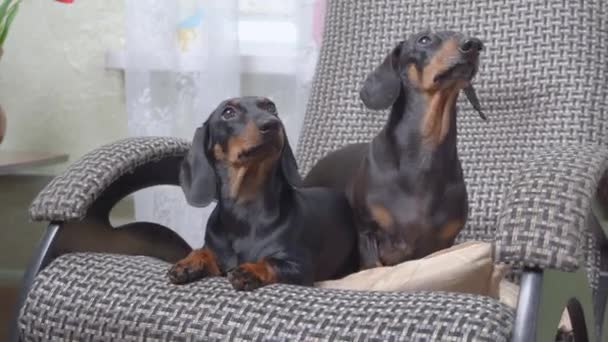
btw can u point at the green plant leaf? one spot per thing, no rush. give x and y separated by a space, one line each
4 8
10 16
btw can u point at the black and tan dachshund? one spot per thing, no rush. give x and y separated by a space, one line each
264 228
406 187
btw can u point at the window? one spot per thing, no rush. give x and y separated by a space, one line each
267 34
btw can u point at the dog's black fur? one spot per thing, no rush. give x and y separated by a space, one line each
264 228
406 187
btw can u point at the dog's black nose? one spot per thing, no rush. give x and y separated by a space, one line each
269 126
470 45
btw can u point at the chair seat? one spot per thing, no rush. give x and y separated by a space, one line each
90 296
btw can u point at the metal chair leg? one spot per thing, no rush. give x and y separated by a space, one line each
528 305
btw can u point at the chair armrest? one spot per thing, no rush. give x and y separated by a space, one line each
543 221
103 176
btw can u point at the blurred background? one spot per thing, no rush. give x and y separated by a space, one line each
76 74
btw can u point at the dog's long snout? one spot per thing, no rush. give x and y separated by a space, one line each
269 125
470 46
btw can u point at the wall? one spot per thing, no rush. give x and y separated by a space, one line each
53 83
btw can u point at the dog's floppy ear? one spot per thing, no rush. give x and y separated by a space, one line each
471 95
382 86
197 176
289 165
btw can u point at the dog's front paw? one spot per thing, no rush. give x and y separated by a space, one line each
250 276
197 265
182 273
243 280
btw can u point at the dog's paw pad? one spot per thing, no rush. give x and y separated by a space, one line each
244 280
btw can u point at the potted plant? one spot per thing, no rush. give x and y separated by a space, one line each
8 10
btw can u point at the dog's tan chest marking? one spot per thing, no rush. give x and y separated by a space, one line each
250 179
440 98
235 146
437 117
382 216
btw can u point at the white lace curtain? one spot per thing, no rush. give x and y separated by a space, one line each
182 59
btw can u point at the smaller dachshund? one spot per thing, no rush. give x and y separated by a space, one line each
264 229
406 188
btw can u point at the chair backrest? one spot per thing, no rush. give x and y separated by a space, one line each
543 81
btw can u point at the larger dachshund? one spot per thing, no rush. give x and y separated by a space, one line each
264 229
406 187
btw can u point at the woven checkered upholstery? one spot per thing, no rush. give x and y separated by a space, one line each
95 297
546 202
530 171
543 84
69 195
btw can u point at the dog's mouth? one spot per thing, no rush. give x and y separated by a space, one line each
460 75
265 147
459 71
251 151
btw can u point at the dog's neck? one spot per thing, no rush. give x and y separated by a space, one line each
422 128
255 188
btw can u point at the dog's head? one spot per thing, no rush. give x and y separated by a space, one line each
240 143
428 62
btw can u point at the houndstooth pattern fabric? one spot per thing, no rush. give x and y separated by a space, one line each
69 195
547 200
97 297
543 82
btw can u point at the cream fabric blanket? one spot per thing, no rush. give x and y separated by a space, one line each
468 268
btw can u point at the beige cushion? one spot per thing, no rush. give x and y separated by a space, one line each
468 268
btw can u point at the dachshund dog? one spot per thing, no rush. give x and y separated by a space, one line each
264 229
406 187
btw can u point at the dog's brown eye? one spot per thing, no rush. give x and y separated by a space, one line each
424 40
229 113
